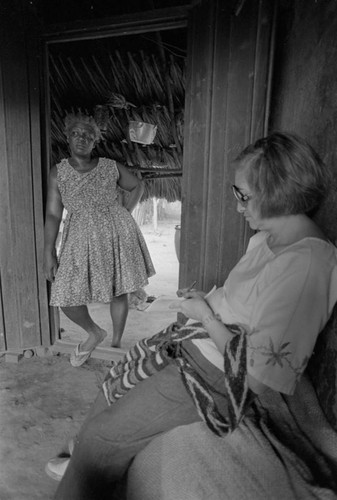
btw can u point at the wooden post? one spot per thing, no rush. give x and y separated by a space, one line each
155 213
226 99
23 287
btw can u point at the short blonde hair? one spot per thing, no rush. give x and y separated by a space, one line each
73 119
285 174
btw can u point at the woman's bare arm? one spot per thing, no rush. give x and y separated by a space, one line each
195 307
132 184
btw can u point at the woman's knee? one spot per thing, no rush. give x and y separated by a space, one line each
120 299
99 431
89 434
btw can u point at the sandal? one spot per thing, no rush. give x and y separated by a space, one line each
77 357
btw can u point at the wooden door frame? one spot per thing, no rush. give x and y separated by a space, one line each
131 24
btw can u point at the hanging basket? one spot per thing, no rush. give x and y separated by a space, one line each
141 132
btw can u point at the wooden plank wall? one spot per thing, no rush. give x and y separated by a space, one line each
23 290
226 104
305 85
3 209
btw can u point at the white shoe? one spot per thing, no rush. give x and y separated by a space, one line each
71 446
56 468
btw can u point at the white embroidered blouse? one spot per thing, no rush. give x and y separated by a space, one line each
283 300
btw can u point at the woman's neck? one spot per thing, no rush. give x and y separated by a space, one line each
289 229
82 163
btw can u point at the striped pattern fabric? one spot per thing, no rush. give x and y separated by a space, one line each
152 354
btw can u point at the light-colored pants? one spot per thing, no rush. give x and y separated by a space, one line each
112 435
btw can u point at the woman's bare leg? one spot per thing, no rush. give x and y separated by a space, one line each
80 315
119 309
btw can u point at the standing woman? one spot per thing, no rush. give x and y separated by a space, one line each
103 255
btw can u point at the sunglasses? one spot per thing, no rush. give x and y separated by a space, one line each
241 198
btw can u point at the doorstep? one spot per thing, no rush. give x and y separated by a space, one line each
106 353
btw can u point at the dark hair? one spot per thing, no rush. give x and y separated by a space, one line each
285 173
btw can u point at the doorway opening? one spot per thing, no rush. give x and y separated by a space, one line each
122 80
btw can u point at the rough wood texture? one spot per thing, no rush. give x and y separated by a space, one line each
136 22
2 323
23 290
304 91
226 100
304 101
4 202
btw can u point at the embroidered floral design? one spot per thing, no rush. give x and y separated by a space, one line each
276 356
280 356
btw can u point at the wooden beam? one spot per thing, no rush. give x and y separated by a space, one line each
34 86
4 212
140 22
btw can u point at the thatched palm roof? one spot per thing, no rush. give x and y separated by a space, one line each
119 85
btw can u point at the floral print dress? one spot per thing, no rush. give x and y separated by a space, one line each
103 252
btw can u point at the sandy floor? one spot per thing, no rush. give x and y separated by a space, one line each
43 400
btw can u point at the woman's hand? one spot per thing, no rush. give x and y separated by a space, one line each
185 292
49 266
194 306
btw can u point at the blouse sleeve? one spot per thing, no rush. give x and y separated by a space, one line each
291 309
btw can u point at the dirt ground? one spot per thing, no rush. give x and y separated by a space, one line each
43 400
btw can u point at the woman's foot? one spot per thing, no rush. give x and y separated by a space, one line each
116 340
83 350
116 343
119 308
96 336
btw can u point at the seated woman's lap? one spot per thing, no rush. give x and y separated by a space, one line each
110 438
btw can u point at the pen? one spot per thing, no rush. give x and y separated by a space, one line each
191 286
181 292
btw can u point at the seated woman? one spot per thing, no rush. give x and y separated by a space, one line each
256 332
